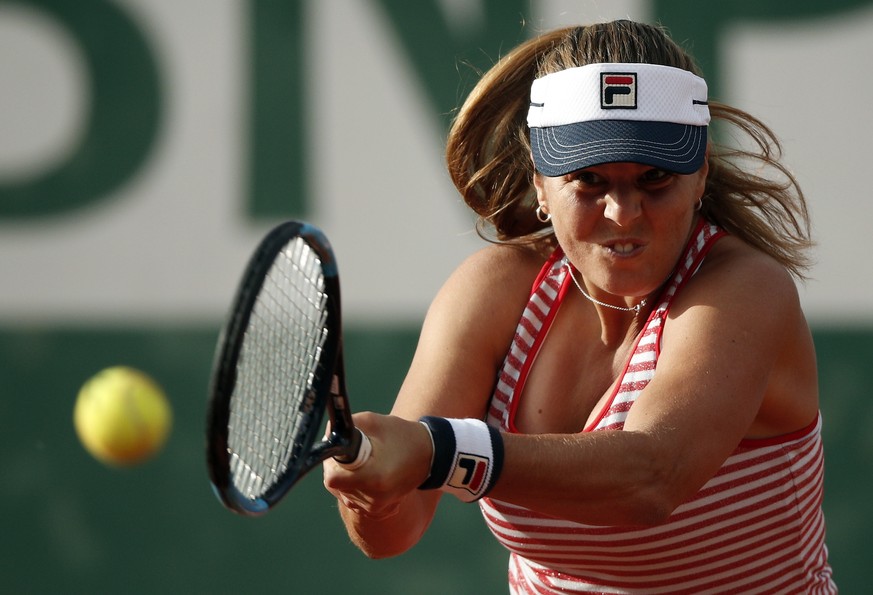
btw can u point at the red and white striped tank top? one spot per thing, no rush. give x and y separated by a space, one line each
755 527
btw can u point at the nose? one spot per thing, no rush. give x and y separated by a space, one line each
622 206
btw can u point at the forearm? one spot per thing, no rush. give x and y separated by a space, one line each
383 511
598 478
392 532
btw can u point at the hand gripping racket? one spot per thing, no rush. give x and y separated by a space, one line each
278 368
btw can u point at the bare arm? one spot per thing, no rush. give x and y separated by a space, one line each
728 348
464 338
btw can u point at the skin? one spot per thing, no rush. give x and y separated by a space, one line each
737 361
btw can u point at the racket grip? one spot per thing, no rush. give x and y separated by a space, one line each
364 450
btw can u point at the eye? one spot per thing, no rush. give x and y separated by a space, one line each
655 176
586 177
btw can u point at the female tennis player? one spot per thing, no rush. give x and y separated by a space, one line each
623 379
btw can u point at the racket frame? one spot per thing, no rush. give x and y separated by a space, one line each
328 392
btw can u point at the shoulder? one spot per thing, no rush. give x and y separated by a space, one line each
496 272
487 293
467 332
738 327
739 293
506 255
736 270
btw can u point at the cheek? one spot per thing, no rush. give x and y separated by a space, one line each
574 222
677 234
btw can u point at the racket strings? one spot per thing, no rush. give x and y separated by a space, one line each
277 366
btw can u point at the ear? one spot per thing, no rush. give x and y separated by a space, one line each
538 186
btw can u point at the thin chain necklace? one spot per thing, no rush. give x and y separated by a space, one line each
635 309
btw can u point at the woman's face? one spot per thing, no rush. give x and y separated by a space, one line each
622 225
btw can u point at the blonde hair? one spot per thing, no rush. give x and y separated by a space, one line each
748 191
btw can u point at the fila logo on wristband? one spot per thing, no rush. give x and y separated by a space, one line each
469 472
618 90
467 457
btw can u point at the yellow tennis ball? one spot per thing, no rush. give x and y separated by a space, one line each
122 416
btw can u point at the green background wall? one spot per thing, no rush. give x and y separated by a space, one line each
71 525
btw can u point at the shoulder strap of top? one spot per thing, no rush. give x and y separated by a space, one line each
640 366
702 239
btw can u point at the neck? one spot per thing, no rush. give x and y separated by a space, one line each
636 308
617 323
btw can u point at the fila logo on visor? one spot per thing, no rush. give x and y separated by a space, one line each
618 90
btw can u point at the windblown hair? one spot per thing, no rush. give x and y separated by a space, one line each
749 192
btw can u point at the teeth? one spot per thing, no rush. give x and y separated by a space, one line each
623 248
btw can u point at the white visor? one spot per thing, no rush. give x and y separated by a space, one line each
611 112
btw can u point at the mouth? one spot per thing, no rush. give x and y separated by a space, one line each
624 248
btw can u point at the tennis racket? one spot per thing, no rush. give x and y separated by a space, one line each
278 368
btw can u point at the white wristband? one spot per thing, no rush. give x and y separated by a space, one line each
468 457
